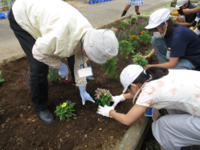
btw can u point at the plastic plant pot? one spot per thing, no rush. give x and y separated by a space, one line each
94 2
90 2
99 1
2 15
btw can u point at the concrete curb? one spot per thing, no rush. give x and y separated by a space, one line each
135 135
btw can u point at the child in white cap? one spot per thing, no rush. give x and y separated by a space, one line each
176 46
178 91
52 29
182 19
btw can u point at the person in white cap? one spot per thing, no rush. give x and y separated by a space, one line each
52 29
157 88
182 19
176 46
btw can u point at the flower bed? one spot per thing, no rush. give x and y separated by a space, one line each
22 129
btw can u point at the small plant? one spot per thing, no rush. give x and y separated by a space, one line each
110 66
145 37
138 59
1 79
103 97
133 42
141 26
124 23
27 76
133 29
0 109
5 7
53 74
125 48
133 19
65 110
114 29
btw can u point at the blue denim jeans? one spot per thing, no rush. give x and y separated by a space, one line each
161 48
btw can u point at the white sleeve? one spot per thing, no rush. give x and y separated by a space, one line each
52 61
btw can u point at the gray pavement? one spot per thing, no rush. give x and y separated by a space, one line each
97 14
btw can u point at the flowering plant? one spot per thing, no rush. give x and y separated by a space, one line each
124 23
65 110
125 48
1 79
133 19
53 74
103 97
141 25
110 66
138 59
27 75
145 37
114 29
133 41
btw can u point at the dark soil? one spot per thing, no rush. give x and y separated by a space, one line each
21 129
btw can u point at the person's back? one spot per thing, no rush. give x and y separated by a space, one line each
180 89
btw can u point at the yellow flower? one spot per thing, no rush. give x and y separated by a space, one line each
132 38
109 58
64 105
126 41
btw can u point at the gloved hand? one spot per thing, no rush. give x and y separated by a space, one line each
117 99
85 96
104 111
63 71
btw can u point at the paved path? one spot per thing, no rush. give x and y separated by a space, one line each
97 14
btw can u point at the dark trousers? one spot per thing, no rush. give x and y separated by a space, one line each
39 70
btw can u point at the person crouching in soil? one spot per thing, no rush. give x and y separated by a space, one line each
178 91
175 45
48 30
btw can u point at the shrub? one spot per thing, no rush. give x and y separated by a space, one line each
125 48
145 37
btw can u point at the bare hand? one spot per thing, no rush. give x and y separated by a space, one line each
145 67
147 57
186 11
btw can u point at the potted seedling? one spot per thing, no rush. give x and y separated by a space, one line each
103 97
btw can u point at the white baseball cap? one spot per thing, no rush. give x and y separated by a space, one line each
181 3
129 74
100 45
158 17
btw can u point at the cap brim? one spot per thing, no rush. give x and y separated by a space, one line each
150 26
125 89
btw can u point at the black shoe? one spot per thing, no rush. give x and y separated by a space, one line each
138 13
46 116
90 79
124 13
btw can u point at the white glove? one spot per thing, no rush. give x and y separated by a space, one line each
104 111
117 99
63 71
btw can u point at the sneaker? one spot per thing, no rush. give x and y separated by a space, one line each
197 31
